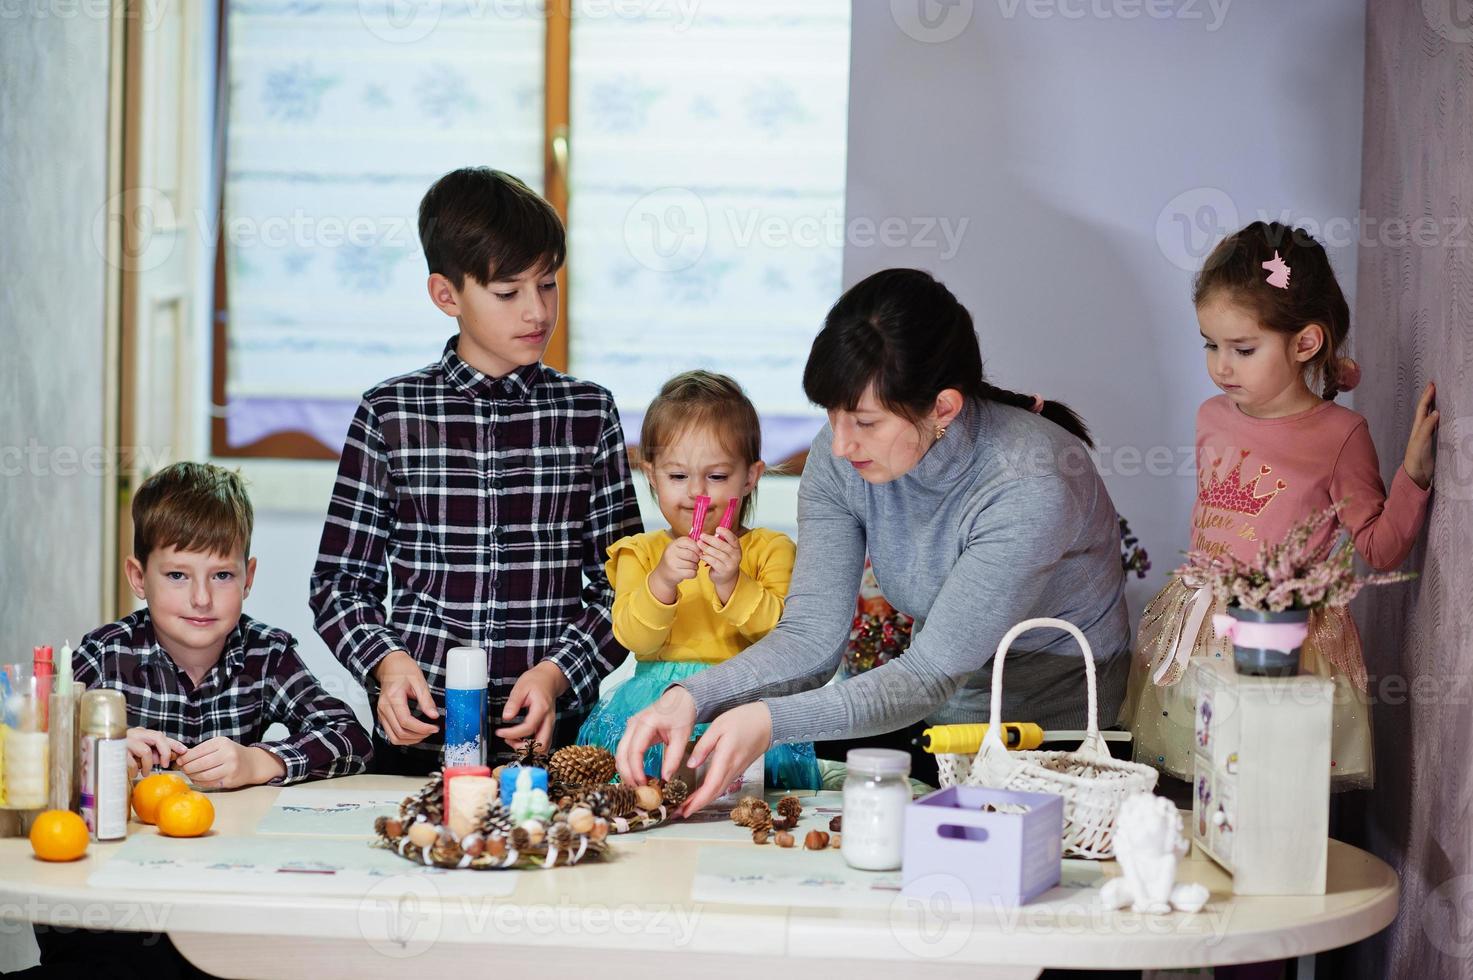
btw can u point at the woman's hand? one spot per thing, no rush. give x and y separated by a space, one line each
722 553
730 745
669 722
679 562
1418 462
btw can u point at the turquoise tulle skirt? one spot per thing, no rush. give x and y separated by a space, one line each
786 766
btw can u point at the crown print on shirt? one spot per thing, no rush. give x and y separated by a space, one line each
1231 494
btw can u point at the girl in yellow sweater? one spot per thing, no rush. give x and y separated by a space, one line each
684 601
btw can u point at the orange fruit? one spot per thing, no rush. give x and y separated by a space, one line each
153 790
59 835
186 814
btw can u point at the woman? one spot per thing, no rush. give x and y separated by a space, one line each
979 507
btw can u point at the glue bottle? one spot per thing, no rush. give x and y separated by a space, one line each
465 706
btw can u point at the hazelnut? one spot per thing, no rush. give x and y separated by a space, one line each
496 847
784 839
424 834
834 842
647 797
759 837
580 820
816 840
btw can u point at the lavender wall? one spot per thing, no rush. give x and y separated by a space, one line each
1095 153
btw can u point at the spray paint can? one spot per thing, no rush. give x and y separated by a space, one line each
104 717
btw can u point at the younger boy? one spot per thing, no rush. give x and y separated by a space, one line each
203 681
486 486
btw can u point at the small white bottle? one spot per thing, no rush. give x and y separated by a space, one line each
876 793
104 718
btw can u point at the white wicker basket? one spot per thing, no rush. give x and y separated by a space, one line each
1092 783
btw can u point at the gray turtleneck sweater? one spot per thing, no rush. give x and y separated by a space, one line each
1005 518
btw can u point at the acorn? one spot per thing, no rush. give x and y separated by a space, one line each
496 847
474 845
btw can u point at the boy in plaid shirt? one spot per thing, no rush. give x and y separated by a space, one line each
203 684
203 681
485 488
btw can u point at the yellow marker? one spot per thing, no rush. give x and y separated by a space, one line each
967 739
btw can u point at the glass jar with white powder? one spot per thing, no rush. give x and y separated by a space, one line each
876 793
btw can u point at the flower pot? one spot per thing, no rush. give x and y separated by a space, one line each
1265 644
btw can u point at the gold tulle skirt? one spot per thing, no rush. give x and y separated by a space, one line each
1160 716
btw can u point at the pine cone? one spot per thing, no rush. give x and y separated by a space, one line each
495 821
611 801
534 754
760 821
789 808
675 792
428 801
446 853
520 839
575 764
561 836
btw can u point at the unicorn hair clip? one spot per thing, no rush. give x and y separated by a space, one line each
1278 272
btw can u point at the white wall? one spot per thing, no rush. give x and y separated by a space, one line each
1074 147
53 181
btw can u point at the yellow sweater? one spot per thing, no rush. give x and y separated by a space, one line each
697 628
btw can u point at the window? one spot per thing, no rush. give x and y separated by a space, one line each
705 204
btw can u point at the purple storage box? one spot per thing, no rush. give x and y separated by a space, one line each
952 848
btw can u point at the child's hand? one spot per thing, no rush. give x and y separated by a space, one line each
535 692
400 679
1419 462
680 562
148 748
220 763
722 553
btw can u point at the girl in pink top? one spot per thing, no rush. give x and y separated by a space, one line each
1270 451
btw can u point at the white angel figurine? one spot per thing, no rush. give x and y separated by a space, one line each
1148 843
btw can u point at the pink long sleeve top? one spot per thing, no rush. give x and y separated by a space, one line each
1258 477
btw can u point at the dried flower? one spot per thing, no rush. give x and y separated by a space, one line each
1292 574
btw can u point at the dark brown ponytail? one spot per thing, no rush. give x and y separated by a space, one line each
906 334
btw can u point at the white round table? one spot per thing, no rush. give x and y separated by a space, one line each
634 916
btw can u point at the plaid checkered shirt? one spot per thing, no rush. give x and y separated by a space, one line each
490 503
259 680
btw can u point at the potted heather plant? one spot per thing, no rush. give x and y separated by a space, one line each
1270 599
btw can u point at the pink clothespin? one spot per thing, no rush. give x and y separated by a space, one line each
698 522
